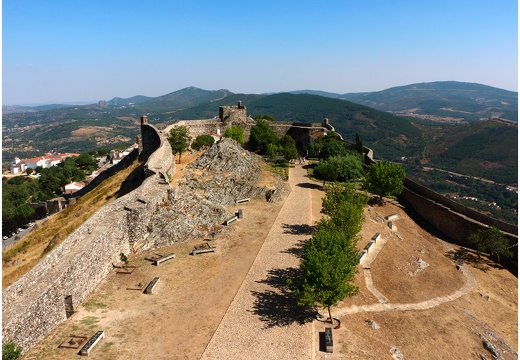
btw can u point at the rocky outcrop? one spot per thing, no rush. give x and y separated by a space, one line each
218 178
226 173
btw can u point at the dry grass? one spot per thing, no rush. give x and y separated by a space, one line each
24 255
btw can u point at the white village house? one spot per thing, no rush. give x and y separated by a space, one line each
46 161
17 166
72 187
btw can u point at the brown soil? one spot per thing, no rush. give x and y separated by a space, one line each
194 293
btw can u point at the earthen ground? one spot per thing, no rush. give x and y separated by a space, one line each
194 295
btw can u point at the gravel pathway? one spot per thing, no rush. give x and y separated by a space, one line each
255 325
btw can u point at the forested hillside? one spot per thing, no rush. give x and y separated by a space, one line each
484 148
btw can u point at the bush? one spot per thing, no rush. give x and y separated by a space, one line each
11 351
202 141
236 133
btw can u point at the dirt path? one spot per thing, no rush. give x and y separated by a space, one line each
423 305
256 325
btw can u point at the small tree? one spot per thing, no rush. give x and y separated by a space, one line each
11 351
384 179
265 117
288 147
349 166
333 147
86 162
236 133
326 172
179 140
260 135
490 240
202 141
359 144
328 268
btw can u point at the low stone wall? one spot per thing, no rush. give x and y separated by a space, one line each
461 209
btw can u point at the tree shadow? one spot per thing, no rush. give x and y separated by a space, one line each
279 306
298 229
464 255
310 186
297 249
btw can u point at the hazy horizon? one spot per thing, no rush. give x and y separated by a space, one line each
70 52
87 102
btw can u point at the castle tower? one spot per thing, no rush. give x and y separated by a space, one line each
144 119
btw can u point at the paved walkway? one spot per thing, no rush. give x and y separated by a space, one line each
256 325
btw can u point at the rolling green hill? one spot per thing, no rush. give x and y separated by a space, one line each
443 100
485 148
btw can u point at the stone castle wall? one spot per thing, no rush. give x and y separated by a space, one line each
35 304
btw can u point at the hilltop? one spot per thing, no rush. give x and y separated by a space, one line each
443 101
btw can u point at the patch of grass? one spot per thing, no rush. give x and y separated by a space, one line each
279 167
90 321
93 305
108 344
344 348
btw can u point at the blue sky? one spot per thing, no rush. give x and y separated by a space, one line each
66 51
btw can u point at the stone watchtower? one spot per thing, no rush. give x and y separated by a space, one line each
231 115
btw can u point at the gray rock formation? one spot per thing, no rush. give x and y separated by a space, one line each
218 178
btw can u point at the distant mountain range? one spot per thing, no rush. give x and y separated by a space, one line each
420 131
447 101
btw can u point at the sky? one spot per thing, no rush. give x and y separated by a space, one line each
88 50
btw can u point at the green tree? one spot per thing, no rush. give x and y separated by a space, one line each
236 133
272 151
260 135
333 147
11 351
86 162
359 144
344 207
202 141
328 266
288 148
349 166
490 240
16 180
265 117
384 179
326 172
179 140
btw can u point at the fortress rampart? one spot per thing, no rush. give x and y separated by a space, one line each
237 115
447 216
45 296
